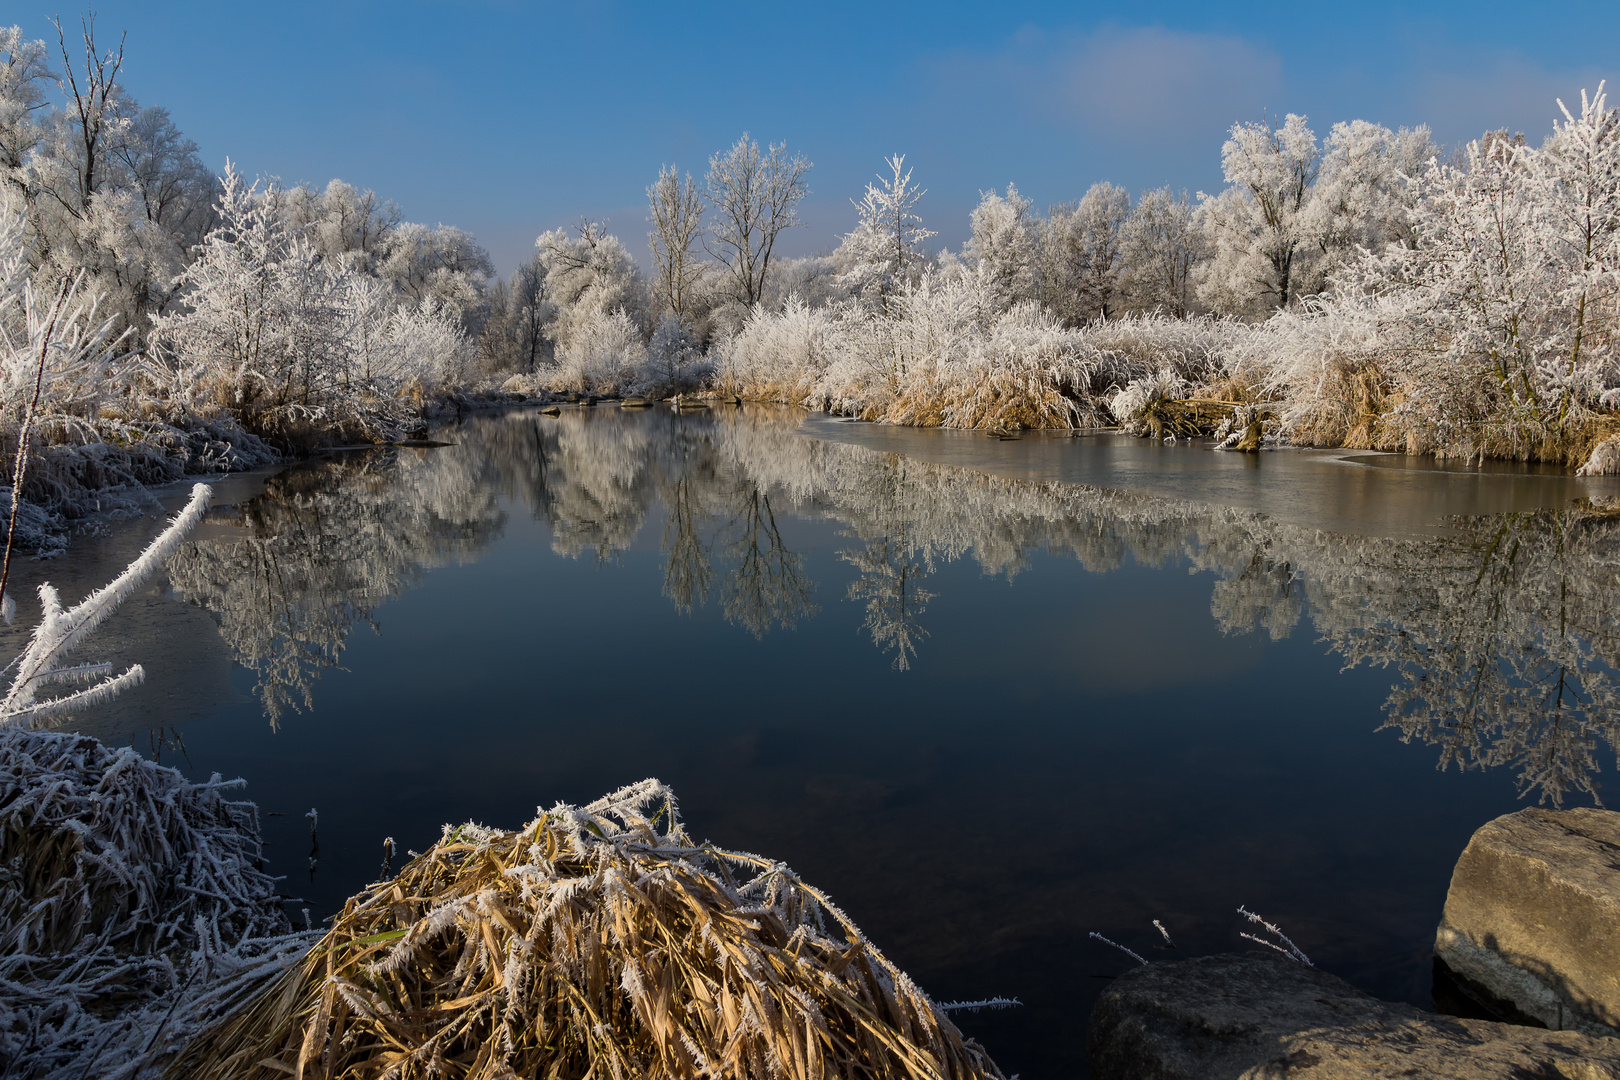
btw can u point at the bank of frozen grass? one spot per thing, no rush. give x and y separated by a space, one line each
944 357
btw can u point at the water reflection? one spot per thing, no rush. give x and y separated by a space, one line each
309 559
1501 633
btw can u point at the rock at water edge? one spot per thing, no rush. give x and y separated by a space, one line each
1533 917
1252 1017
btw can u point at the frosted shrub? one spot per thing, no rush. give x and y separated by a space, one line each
1200 351
674 363
133 904
263 330
1131 405
1021 371
134 911
83 368
426 342
604 355
1326 368
778 356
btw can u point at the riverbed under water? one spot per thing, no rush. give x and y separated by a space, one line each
990 695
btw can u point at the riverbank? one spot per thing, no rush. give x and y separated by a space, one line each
68 483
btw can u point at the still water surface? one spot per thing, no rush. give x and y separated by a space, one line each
990 695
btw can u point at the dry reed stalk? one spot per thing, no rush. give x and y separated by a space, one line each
62 295
596 942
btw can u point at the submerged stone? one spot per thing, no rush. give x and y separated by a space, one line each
1532 919
1230 1016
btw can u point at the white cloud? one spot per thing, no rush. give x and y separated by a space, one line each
1141 85
1466 99
1136 85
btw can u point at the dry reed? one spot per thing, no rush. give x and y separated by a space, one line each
596 942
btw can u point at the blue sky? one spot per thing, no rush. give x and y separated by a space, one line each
507 118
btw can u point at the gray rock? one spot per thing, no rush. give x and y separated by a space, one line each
1259 1018
1533 917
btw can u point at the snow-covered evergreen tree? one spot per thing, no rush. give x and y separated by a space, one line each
884 252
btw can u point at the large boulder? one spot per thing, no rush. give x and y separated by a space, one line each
1259 1018
1532 920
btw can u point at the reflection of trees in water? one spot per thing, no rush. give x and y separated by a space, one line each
1504 636
766 586
889 583
1503 632
688 572
891 567
315 554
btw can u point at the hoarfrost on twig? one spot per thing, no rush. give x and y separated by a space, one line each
1117 945
1287 948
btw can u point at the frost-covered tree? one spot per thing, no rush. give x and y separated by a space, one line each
588 276
440 263
1160 249
347 224
884 252
515 337
676 213
755 196
674 362
604 354
1005 245
1363 196
263 333
1082 252
25 79
1262 241
82 211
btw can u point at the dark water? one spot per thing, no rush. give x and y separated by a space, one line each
990 695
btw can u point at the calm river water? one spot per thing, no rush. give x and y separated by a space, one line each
990 695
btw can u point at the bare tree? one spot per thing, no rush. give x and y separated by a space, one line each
1161 247
95 114
677 219
1083 248
755 197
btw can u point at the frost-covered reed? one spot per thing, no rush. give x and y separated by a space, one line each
134 909
62 630
944 354
595 941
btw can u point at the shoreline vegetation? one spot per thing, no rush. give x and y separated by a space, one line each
1370 289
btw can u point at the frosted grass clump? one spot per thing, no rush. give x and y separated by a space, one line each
595 941
1131 404
133 907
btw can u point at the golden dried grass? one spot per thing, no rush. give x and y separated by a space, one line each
596 942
